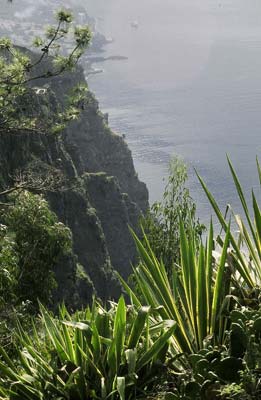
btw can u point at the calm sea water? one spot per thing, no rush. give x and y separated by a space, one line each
191 86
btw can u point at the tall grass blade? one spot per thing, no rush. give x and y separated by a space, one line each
218 284
156 347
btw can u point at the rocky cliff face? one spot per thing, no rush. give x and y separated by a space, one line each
102 197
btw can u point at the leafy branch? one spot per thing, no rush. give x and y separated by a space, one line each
19 69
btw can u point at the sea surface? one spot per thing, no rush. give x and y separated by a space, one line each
191 86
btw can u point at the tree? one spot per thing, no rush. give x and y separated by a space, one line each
162 222
31 238
23 110
34 239
20 68
32 244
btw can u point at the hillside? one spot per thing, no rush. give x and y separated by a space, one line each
100 197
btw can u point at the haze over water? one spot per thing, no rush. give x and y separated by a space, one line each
191 86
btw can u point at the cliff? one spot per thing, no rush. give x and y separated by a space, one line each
100 197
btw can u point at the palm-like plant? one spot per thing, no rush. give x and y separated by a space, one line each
94 354
246 255
199 290
195 294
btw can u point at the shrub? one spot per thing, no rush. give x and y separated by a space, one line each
226 372
161 224
33 244
245 260
196 295
114 354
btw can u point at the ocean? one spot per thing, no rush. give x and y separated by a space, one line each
191 86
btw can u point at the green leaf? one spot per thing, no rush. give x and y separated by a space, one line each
138 327
121 387
156 347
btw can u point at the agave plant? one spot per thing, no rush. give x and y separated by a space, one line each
195 296
97 354
246 255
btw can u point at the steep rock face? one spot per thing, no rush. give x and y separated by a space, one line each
105 194
102 150
98 148
102 198
20 153
74 209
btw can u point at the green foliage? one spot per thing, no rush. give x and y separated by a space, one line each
8 270
245 260
231 370
99 354
234 391
19 69
12 313
31 243
212 368
82 278
226 372
193 331
198 293
30 248
162 221
245 336
195 296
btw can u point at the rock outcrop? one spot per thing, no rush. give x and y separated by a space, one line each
102 196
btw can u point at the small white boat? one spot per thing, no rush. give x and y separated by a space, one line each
109 39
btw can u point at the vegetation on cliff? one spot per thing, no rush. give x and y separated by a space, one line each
193 326
34 240
161 223
18 69
191 334
32 243
71 167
